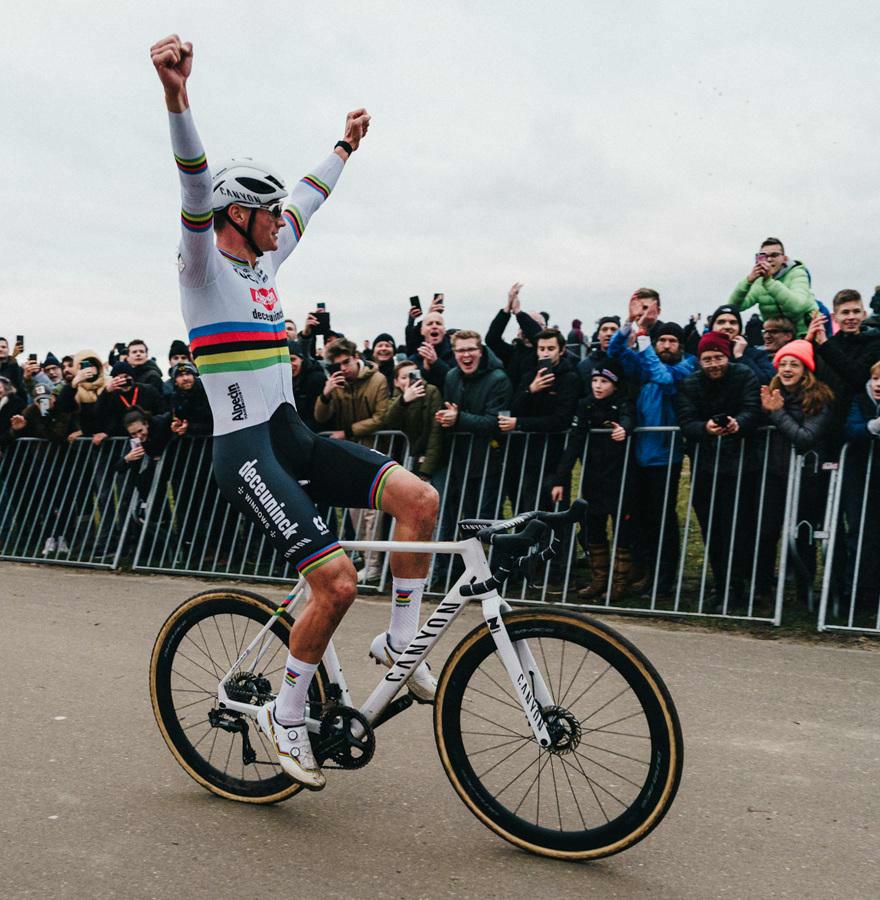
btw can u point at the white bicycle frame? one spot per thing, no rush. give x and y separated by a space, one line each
517 659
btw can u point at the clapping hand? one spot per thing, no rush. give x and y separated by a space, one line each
771 401
816 329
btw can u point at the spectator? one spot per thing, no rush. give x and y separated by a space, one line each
799 407
754 331
52 370
778 285
383 351
40 419
145 369
308 382
290 328
541 411
354 398
354 401
875 301
656 370
644 307
861 497
718 408
606 328
412 410
727 320
11 404
576 335
433 355
191 412
517 357
9 368
850 353
179 353
602 478
413 335
68 369
122 393
777 332
33 375
475 393
80 397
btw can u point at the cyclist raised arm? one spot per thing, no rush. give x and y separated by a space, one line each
262 450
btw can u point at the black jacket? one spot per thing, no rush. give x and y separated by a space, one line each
436 375
113 405
149 373
794 428
193 407
737 395
306 390
517 356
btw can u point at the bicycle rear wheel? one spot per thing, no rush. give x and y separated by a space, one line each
196 646
615 763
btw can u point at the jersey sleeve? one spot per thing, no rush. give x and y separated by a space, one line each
197 256
305 198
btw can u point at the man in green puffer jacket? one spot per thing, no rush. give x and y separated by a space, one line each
778 285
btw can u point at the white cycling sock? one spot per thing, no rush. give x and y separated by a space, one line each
290 704
406 599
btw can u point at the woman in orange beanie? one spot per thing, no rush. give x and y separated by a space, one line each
800 408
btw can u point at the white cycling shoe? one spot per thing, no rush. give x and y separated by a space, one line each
294 751
422 684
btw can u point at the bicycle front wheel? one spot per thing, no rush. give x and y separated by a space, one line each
197 645
614 766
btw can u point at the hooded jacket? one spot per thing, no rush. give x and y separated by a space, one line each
517 357
358 407
479 397
436 375
82 401
788 293
307 387
149 373
794 428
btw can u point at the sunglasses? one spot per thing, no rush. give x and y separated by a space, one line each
275 210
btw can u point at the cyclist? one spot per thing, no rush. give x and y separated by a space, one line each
267 463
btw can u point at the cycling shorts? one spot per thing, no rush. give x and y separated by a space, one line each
274 473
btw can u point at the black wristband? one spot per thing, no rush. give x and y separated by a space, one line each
345 146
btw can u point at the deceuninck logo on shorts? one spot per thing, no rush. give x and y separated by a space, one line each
262 495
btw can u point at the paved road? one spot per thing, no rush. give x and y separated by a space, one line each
779 796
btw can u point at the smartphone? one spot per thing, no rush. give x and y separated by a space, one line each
544 365
135 443
121 349
414 377
760 257
438 298
323 317
333 368
722 420
19 339
321 305
415 302
32 357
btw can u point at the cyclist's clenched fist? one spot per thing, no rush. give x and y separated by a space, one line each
173 61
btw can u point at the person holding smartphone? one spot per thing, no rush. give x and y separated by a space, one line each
80 396
412 410
718 407
9 367
778 286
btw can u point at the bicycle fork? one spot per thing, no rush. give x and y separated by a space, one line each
518 661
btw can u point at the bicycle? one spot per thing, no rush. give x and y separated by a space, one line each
555 731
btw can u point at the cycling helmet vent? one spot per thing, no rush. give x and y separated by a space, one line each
257 186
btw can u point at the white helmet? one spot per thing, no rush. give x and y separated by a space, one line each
246 182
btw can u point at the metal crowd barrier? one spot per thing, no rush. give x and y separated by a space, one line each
850 598
65 503
724 542
190 528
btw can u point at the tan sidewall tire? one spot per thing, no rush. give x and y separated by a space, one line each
249 599
623 646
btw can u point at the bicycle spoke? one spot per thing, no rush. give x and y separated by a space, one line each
503 760
641 762
556 793
580 768
515 706
574 677
546 668
229 660
494 747
206 652
607 769
574 795
470 712
590 687
499 686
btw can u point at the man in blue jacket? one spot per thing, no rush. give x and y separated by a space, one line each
656 369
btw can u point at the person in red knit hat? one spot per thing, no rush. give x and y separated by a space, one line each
800 409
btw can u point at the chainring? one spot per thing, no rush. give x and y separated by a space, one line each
337 742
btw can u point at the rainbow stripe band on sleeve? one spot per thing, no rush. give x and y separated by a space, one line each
318 558
191 166
379 483
293 217
197 222
318 185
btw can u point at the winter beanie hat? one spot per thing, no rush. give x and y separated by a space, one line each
802 350
716 341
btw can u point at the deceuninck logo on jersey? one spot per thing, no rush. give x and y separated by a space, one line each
265 297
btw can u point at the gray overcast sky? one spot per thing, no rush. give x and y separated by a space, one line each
583 150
